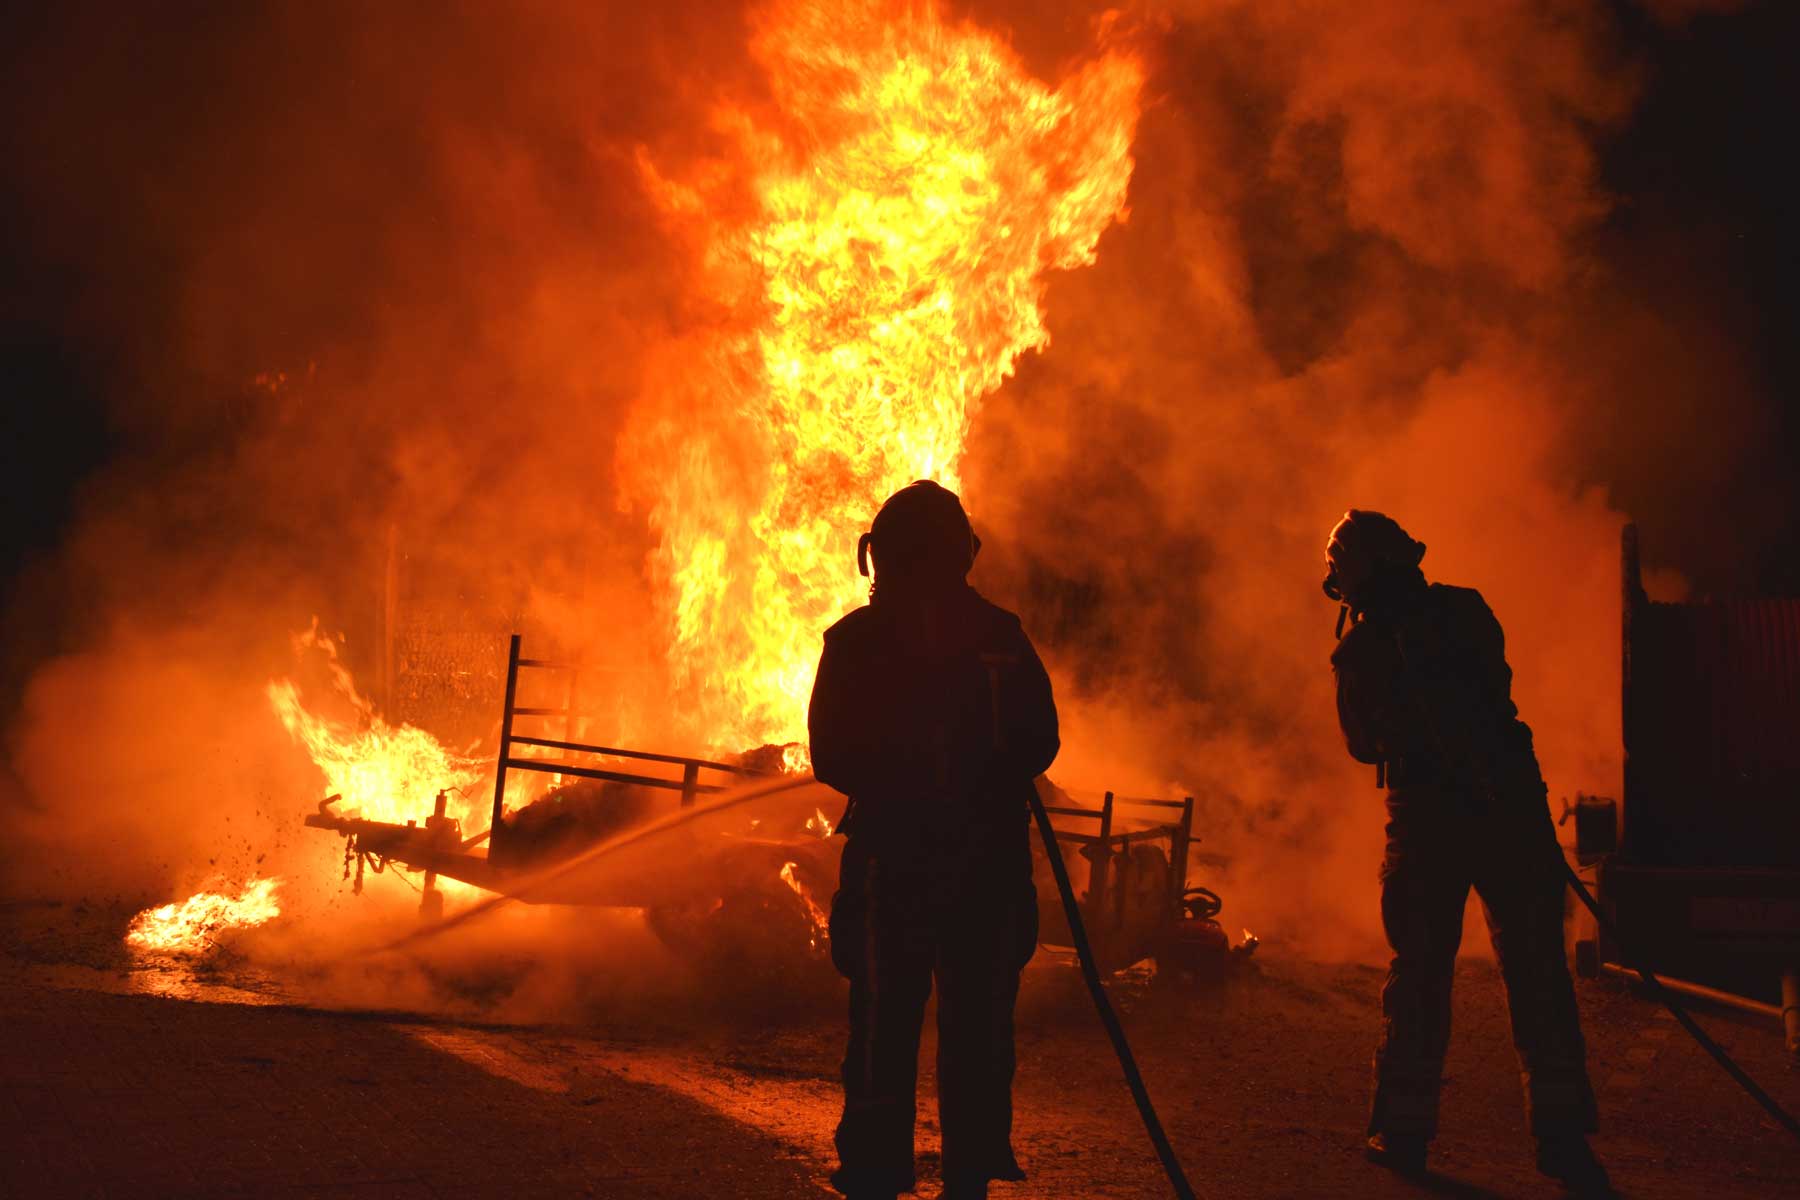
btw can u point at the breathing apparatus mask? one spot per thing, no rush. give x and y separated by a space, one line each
1365 550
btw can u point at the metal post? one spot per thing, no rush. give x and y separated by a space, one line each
569 695
1697 990
1179 848
690 784
1631 594
506 721
431 899
1790 1008
1102 859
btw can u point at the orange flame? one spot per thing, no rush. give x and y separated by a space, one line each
192 926
908 198
821 924
388 772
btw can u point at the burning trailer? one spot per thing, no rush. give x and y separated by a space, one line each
743 871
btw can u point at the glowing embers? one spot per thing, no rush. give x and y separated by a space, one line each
796 759
193 926
871 252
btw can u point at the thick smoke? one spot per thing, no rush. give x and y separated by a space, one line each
1359 271
388 275
363 276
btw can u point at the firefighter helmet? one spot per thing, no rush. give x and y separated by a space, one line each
1362 545
921 529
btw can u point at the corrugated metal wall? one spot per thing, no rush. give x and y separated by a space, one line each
1712 731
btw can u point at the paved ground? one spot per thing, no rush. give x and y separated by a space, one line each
211 1089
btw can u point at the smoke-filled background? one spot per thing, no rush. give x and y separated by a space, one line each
288 285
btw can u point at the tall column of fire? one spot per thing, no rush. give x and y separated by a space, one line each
906 198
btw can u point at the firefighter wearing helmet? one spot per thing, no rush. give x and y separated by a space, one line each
932 712
1425 695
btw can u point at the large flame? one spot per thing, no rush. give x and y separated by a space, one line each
193 926
386 772
908 192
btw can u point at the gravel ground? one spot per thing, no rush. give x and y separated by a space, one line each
129 1079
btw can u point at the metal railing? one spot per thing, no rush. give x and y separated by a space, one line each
1099 848
690 784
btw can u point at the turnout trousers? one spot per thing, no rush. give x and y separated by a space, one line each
1440 843
895 928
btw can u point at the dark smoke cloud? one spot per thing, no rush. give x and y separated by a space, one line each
1679 12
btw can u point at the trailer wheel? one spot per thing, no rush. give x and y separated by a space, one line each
759 939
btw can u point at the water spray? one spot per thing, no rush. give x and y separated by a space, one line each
525 886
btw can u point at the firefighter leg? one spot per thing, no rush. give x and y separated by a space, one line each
1521 888
880 942
984 946
1423 890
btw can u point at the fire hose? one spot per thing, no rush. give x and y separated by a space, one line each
1090 973
1774 1109
1085 953
1108 1018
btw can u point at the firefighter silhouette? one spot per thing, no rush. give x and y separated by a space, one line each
932 712
1425 695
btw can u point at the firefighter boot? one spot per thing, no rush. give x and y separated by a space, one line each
1402 1152
1568 1158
